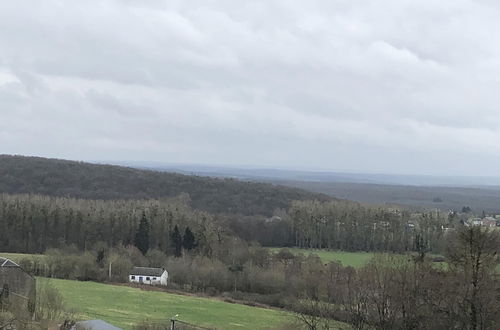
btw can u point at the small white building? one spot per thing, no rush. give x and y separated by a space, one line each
146 275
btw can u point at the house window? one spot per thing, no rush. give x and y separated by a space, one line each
132 277
147 278
154 278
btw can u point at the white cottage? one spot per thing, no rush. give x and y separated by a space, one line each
146 275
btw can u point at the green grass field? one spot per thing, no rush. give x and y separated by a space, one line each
354 259
18 256
125 306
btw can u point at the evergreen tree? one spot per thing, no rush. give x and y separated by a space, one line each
176 241
100 256
142 235
188 241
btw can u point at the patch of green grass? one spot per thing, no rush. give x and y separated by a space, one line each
16 257
126 306
353 259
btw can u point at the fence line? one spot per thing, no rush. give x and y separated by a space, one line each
128 318
191 325
8 292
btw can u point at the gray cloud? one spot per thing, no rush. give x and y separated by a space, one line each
387 86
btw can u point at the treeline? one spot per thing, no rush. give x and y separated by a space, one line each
52 177
351 226
348 226
33 224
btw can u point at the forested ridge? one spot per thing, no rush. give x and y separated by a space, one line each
54 177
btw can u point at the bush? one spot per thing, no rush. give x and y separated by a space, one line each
280 300
50 304
438 259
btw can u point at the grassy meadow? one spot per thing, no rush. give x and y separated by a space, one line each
353 259
16 257
125 307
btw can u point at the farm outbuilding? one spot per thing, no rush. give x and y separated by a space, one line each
147 275
17 287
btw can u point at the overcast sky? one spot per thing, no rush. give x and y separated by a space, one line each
388 86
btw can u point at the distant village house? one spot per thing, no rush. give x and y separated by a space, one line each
484 222
147 275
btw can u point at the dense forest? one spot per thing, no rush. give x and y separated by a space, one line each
478 198
343 225
31 223
53 177
34 223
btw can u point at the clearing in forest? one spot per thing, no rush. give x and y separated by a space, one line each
353 259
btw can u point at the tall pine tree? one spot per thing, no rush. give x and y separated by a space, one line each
188 241
176 241
142 235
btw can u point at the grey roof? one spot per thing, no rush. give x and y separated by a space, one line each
95 325
4 262
146 271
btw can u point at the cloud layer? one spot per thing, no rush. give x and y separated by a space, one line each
393 86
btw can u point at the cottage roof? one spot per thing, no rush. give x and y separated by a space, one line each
95 325
4 262
147 271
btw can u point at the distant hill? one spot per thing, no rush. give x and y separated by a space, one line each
414 191
418 191
54 177
272 174
479 198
